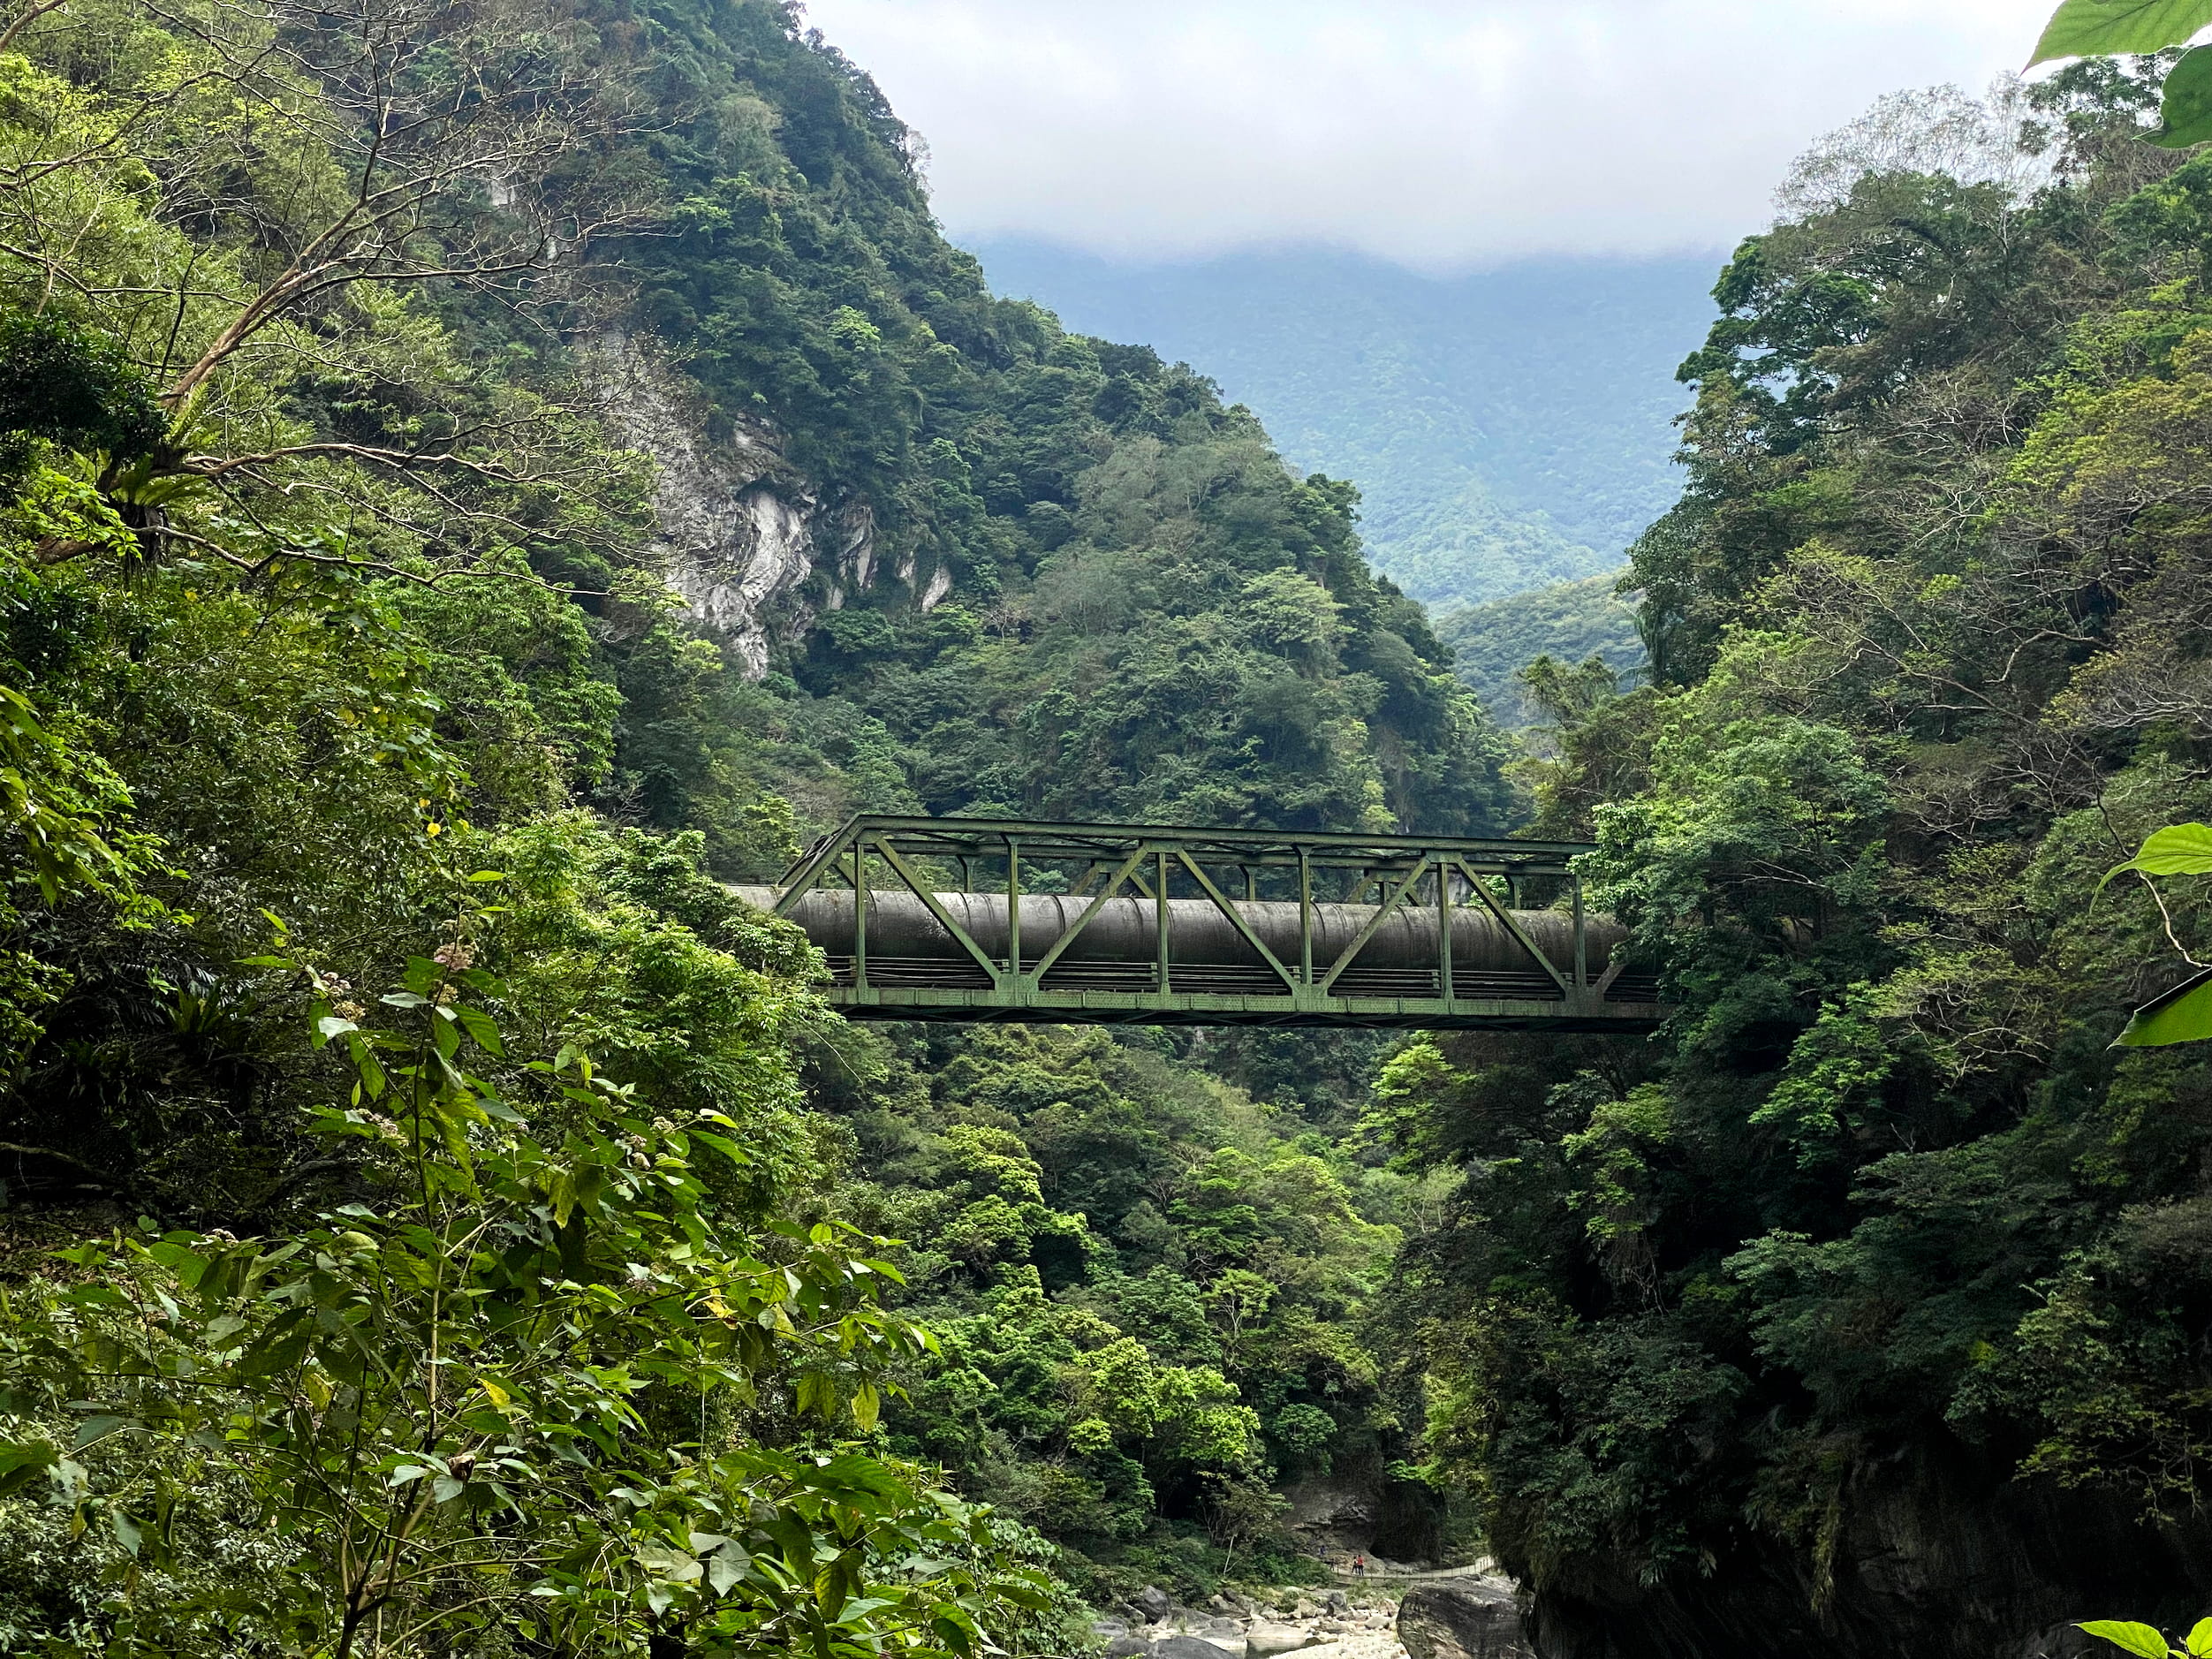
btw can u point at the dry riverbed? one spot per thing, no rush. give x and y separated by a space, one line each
1470 1615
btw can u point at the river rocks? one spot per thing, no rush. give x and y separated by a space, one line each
1197 1647
1265 1640
1316 1625
1463 1618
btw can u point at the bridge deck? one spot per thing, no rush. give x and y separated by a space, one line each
1003 919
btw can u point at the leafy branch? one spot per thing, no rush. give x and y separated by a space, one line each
2100 28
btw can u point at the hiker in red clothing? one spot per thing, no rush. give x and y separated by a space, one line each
1359 1566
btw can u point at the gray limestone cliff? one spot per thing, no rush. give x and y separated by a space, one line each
746 541
1477 1617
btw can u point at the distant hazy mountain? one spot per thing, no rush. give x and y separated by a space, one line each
1572 621
1509 429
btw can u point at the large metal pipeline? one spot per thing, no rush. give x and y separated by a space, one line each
899 925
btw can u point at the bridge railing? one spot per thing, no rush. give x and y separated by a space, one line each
978 919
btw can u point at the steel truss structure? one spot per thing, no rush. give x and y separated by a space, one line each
960 919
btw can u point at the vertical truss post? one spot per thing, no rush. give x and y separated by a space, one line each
1581 939
1013 906
1444 932
859 913
1160 916
1305 917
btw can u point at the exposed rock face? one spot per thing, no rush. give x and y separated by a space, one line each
1941 1554
1367 1512
1192 1647
1463 1618
740 532
1266 1639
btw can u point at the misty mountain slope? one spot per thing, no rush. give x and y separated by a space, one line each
1508 429
1570 622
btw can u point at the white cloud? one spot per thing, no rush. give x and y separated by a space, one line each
1440 134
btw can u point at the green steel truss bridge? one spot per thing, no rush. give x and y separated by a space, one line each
977 919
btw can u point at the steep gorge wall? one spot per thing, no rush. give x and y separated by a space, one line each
746 540
1933 1551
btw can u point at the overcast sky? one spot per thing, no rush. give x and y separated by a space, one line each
1442 133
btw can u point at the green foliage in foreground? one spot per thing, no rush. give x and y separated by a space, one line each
2182 1014
2091 28
393 1264
514 1394
2147 1640
1883 1199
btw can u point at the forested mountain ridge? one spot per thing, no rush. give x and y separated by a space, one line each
1029 555
477 476
1493 643
1509 429
1867 1312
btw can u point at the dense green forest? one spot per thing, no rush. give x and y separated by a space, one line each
473 1235
477 479
1867 1312
1570 623
1508 428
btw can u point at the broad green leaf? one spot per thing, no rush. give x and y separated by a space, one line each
954 1635
664 1561
480 1028
2122 1632
2184 1014
726 1568
2181 849
23 1461
2096 28
2185 109
818 1394
867 1406
2199 1642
